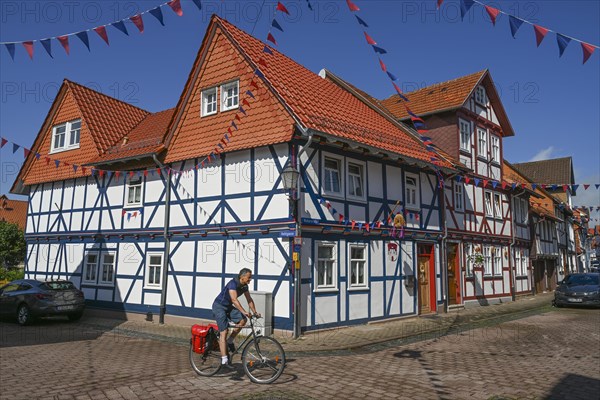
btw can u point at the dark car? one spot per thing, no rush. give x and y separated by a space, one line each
28 299
578 289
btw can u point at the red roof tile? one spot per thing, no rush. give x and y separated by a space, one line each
145 138
13 211
435 98
315 102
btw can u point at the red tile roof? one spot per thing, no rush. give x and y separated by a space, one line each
145 138
315 102
447 95
13 211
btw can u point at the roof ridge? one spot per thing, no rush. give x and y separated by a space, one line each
438 84
69 82
116 142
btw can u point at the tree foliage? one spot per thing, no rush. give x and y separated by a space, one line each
12 245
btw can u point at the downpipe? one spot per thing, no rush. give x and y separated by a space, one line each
167 239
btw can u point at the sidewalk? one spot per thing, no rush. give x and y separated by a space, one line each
358 336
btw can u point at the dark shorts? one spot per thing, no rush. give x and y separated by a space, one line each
224 314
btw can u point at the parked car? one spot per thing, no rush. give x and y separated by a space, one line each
28 299
578 289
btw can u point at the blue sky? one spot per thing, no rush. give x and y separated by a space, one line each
551 102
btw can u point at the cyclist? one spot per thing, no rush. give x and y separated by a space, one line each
227 307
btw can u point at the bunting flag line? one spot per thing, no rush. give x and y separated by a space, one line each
515 23
136 20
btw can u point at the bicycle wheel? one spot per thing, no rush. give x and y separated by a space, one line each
207 363
263 359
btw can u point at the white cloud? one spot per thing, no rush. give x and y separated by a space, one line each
543 154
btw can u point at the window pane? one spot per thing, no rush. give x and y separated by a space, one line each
329 273
155 260
75 133
321 273
354 169
325 252
335 181
357 253
138 194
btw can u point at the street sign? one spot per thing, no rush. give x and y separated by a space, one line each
298 240
297 248
287 234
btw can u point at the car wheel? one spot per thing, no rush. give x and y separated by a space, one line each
24 316
75 316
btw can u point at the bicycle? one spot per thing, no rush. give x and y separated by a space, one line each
263 357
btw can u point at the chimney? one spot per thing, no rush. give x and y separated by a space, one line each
125 140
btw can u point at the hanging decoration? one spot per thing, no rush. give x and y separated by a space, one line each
419 124
137 20
515 24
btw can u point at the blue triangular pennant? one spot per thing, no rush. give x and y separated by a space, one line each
563 42
267 50
234 125
258 73
276 25
157 13
37 155
242 110
10 47
574 187
476 180
121 26
57 163
494 184
514 185
198 4
47 43
15 147
554 187
458 178
597 185
379 50
465 6
392 76
128 216
75 167
249 93
515 24
361 21
83 36
533 186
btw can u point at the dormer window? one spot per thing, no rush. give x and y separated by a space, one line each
230 96
66 136
209 101
465 135
480 96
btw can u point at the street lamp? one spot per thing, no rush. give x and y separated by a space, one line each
290 183
290 179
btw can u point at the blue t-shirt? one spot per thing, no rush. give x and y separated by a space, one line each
224 298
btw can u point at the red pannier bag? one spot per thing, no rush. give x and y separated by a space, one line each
199 335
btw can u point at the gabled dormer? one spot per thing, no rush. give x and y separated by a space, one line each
465 118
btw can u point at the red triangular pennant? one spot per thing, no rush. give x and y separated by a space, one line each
101 31
64 41
176 7
352 6
369 39
587 48
540 34
585 186
504 185
281 7
493 13
29 47
138 21
270 38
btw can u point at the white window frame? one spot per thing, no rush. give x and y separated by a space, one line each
152 268
133 184
497 261
340 172
465 135
489 206
98 268
482 142
69 133
498 209
495 140
408 203
350 177
524 262
480 95
459 197
205 93
224 97
113 271
487 260
468 249
90 271
325 287
364 260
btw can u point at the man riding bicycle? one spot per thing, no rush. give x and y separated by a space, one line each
227 307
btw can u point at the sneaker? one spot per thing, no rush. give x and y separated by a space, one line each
228 367
231 348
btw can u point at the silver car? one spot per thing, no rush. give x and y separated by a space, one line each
28 299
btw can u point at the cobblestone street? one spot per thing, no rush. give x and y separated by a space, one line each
550 355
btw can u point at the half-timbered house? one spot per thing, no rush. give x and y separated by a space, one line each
126 203
466 119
